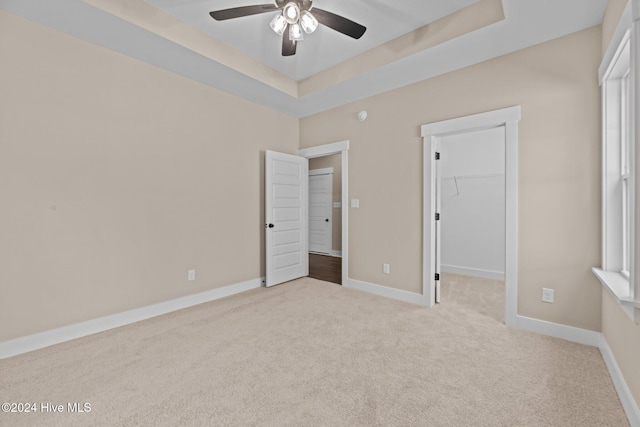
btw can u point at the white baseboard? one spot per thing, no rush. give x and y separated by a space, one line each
474 272
594 339
626 398
66 333
568 333
385 291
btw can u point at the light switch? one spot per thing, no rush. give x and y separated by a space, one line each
355 203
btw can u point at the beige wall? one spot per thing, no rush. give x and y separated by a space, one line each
620 332
335 162
116 177
559 192
623 337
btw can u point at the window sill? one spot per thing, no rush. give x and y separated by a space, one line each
617 285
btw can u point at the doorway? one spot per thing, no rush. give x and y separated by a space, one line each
471 198
471 234
332 266
286 212
434 135
325 208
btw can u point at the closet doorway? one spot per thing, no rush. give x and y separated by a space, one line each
471 188
471 205
433 134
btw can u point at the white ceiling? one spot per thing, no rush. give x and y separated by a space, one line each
527 23
385 21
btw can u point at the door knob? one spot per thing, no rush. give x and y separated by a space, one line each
270 225
326 220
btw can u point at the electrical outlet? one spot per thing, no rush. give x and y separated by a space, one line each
355 203
386 268
191 275
547 295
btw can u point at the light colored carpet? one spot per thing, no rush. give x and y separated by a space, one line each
311 353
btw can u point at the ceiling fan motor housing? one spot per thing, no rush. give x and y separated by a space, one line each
291 12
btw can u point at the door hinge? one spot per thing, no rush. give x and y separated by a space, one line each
437 276
437 217
437 156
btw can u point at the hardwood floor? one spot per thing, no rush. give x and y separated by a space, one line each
325 267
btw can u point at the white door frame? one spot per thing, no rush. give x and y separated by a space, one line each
431 134
342 148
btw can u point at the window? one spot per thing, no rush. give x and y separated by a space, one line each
625 155
619 271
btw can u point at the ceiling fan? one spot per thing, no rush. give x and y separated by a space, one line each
294 20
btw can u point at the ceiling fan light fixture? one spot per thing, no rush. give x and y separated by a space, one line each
291 12
295 32
278 24
308 22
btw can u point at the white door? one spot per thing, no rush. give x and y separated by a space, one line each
286 206
438 189
320 206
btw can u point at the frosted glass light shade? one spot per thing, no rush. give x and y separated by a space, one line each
308 22
278 24
295 32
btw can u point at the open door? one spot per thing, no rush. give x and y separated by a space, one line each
286 216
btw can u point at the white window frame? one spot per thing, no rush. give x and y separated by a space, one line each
625 166
619 84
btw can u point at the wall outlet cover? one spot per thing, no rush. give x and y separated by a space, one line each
547 295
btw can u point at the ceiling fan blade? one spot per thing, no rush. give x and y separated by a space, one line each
339 23
281 3
288 46
239 12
